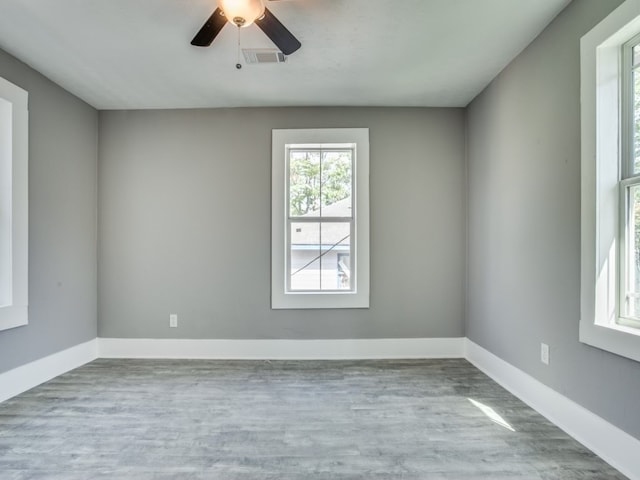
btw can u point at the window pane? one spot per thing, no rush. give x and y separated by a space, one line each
304 259
633 253
336 183
344 271
336 247
636 55
304 183
636 121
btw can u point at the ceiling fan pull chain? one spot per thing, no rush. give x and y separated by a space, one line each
238 64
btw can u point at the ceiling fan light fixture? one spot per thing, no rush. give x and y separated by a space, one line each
242 12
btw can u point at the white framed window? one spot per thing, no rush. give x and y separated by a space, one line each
629 187
14 125
610 140
320 218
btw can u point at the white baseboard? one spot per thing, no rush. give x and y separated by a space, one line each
614 446
25 377
282 349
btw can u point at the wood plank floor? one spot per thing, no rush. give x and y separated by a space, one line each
199 419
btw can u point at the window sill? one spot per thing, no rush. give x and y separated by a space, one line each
618 339
13 316
319 300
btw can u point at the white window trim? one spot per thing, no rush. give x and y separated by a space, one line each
601 147
14 248
359 298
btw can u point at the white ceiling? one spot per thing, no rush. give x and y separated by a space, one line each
134 54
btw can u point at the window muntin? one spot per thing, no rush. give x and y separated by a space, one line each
321 220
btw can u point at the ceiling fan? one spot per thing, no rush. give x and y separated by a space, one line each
243 13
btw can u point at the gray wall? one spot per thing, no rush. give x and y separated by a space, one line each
62 220
185 224
524 223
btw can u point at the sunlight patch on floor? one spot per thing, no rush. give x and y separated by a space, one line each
492 414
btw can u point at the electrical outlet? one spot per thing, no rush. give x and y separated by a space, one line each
544 353
173 320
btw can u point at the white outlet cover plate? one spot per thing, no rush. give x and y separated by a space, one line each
544 353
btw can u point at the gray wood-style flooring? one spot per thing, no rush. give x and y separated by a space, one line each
200 419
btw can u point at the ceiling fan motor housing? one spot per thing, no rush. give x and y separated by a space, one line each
242 13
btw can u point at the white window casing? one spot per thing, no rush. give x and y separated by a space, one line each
603 217
283 295
14 242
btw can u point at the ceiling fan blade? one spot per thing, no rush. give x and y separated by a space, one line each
278 33
210 29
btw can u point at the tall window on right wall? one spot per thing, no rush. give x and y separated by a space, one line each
610 188
629 292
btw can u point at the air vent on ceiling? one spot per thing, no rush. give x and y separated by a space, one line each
263 55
